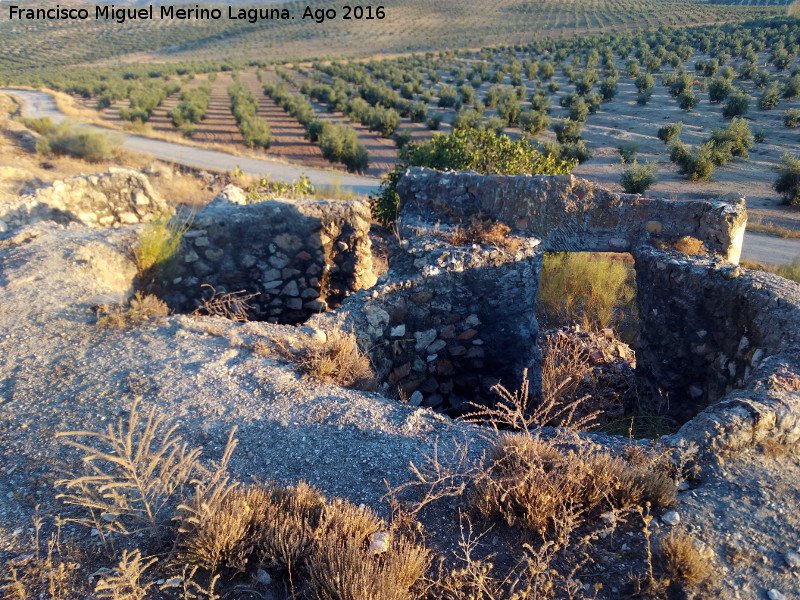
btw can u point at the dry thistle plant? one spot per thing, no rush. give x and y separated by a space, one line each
140 309
687 245
535 483
683 560
337 359
126 583
232 306
513 409
345 565
442 475
133 472
484 231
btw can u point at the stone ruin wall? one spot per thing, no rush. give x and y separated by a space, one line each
569 214
449 321
299 257
120 197
711 333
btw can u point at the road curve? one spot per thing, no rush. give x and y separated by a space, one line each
757 247
41 104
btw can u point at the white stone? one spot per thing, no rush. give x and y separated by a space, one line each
129 218
379 543
263 577
775 595
671 518
792 559
424 339
416 398
398 331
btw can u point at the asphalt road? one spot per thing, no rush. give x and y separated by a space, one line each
757 247
40 104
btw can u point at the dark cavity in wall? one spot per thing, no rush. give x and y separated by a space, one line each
291 259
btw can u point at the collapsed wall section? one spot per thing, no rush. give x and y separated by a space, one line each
298 257
119 197
569 214
448 323
706 326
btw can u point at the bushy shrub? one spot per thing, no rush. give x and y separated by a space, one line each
770 98
533 121
636 178
645 82
608 88
687 100
644 97
567 131
255 130
40 125
788 182
79 141
576 151
792 118
792 88
339 143
737 105
481 150
735 139
719 89
667 133
627 150
193 106
698 164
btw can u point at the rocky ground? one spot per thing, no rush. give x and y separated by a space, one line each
59 372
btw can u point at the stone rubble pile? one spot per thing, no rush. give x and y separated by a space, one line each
119 197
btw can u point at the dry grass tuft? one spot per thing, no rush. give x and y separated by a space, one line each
126 583
532 482
683 560
687 245
156 246
141 309
485 232
232 306
338 358
133 472
291 526
345 565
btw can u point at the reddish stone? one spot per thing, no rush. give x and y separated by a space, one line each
303 256
398 312
422 298
453 318
448 332
430 385
444 367
399 373
467 335
457 350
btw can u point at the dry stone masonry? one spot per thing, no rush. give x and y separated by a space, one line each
718 348
569 214
448 322
300 257
120 197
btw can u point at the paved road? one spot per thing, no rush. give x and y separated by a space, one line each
40 104
757 247
762 248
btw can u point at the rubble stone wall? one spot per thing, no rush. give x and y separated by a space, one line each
120 197
300 257
571 214
449 323
706 326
